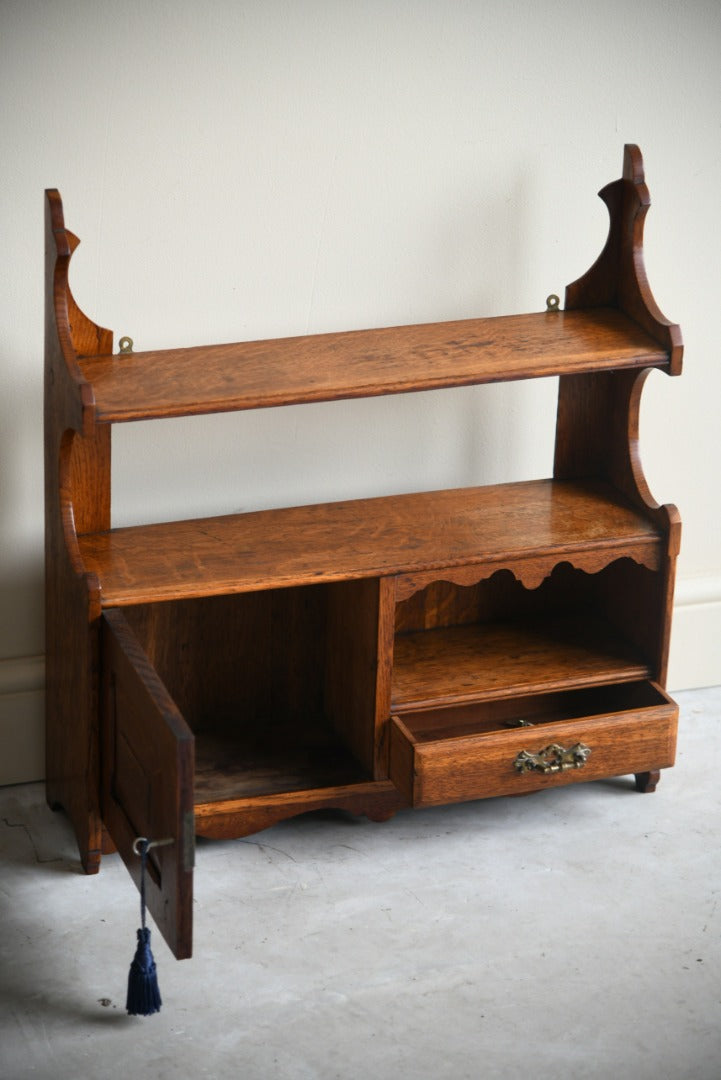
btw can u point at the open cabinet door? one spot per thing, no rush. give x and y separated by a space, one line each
148 765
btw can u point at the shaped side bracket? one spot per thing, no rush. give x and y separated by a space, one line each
618 277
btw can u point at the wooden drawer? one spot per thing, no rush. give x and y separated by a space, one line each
476 751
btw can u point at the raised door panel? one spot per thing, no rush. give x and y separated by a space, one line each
148 755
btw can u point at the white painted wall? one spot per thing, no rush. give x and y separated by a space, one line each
240 169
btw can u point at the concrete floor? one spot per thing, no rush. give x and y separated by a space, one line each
570 934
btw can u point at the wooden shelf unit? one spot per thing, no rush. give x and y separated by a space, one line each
213 676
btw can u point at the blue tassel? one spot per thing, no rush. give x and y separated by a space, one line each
143 993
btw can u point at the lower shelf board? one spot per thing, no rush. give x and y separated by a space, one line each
376 800
485 661
231 768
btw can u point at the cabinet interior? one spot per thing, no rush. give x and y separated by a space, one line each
261 684
534 710
499 639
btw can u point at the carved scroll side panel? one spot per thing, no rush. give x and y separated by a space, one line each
77 499
618 277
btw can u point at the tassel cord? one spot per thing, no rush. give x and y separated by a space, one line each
143 845
143 994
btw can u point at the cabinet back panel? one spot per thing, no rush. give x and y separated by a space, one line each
624 593
500 596
229 661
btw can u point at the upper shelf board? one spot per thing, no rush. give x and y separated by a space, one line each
365 363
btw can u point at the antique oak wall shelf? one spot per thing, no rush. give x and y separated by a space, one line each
214 676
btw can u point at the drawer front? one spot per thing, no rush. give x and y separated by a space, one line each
433 772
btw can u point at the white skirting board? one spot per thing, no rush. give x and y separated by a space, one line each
695 662
22 719
696 634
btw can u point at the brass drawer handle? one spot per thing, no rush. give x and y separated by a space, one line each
553 758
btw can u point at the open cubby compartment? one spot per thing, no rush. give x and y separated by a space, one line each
268 684
496 638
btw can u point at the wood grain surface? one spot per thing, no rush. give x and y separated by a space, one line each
637 739
365 363
362 538
477 662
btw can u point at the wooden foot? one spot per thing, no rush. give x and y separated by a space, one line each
91 861
90 856
646 781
